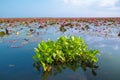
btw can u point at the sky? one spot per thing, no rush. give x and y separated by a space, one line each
59 8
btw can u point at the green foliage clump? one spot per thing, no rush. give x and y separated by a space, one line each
63 29
2 34
64 50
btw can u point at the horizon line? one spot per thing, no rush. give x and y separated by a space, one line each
53 17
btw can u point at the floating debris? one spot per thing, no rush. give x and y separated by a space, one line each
17 33
62 29
26 39
119 34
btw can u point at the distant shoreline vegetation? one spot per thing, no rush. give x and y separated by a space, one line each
94 20
59 18
81 24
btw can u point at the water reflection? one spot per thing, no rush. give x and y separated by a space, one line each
59 68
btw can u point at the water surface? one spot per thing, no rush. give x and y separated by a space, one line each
16 53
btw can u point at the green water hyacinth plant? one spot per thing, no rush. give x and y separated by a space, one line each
64 50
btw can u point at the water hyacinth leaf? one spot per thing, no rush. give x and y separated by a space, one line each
49 60
36 50
54 55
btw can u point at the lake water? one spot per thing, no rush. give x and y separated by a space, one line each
16 53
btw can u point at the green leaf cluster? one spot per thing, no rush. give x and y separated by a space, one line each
2 34
64 50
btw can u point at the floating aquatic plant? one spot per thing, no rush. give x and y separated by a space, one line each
63 29
2 34
64 50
